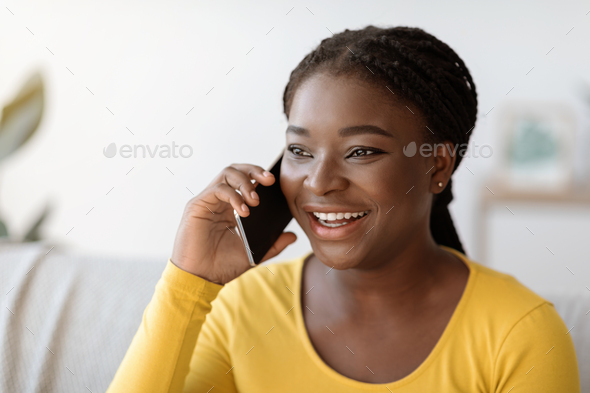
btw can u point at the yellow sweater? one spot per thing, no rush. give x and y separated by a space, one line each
249 336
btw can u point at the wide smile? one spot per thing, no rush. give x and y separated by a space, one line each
337 226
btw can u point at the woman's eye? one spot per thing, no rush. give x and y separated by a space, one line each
297 151
362 152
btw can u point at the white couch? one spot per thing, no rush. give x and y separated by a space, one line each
67 320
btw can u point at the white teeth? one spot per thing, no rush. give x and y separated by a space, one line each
339 216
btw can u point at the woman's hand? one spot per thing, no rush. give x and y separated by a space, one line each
207 244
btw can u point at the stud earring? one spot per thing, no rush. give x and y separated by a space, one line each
440 183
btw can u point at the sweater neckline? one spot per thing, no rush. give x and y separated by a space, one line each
448 331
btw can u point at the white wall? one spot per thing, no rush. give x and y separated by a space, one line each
151 62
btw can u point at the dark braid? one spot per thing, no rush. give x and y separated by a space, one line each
418 68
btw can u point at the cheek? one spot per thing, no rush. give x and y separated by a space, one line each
291 183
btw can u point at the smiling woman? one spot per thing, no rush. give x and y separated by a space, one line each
387 300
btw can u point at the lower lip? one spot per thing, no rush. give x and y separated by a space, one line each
337 233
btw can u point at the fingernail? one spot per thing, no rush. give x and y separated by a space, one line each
245 208
254 195
267 174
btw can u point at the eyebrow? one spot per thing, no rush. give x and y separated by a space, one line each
345 131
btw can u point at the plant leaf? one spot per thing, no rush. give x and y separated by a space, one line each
21 117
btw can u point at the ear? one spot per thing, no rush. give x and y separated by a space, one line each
444 162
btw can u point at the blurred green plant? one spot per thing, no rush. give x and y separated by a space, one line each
20 119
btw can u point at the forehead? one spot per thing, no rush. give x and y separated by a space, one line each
323 100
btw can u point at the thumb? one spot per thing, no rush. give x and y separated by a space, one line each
282 242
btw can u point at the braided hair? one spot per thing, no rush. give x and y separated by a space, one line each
415 66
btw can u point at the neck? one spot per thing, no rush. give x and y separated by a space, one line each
399 280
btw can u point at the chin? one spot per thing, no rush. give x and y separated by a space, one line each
334 257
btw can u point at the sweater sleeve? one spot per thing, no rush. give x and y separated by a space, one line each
537 355
159 357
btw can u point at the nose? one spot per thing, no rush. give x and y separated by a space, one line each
325 175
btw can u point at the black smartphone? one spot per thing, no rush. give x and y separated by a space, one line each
266 222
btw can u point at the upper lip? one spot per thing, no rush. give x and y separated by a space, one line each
331 209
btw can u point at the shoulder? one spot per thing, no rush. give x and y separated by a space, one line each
497 301
500 293
263 283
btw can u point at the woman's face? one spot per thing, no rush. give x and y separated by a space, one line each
328 166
